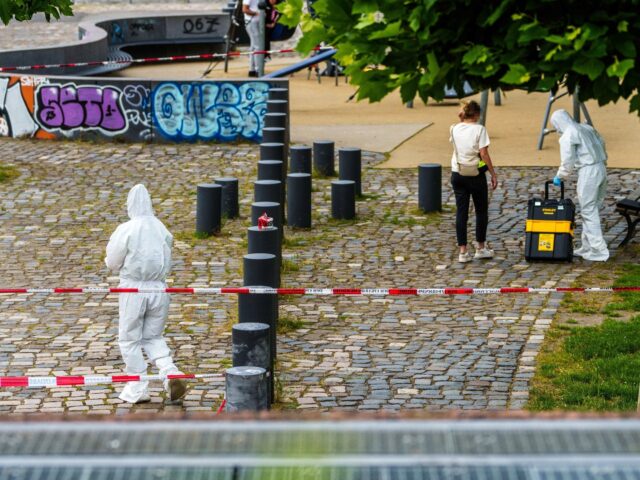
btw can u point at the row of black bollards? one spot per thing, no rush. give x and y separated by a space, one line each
219 200
254 336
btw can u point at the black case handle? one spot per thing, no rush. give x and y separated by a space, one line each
546 189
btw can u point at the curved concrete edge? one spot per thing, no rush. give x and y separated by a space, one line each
94 46
100 33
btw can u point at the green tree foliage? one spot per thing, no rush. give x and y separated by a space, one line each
421 46
21 10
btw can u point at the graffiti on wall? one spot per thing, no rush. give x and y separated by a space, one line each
40 107
116 34
17 106
136 101
70 107
200 25
209 111
142 27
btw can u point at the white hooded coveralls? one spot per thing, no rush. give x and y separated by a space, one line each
140 250
583 149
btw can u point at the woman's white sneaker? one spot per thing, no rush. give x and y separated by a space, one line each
483 253
464 257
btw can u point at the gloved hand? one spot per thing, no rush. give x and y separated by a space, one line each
557 181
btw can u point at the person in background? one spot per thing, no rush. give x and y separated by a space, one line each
583 149
140 251
272 15
469 163
252 24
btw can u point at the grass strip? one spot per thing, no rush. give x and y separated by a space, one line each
597 367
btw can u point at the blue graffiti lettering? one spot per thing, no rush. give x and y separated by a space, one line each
209 110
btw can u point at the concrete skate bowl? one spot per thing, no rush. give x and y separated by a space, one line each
68 102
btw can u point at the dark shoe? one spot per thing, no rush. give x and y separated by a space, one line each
177 389
253 73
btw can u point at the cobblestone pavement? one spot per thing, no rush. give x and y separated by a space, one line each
350 352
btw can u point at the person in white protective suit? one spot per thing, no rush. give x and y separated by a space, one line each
583 149
140 250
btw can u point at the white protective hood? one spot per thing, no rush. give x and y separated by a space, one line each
140 249
580 144
139 202
561 120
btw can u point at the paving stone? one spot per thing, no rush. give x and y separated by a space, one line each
353 352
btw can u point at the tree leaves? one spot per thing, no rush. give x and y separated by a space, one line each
592 67
389 31
620 69
21 10
420 46
516 75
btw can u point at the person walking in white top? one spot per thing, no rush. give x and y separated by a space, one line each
469 162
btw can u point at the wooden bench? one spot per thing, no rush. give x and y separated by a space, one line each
630 207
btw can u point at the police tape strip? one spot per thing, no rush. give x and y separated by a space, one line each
95 379
172 58
324 291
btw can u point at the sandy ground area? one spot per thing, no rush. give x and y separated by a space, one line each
418 135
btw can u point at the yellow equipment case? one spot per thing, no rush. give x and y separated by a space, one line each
549 229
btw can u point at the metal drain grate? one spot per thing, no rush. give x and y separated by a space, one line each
385 450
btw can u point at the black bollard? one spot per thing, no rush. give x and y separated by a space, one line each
275 151
274 135
272 209
272 151
265 240
343 199
300 161
246 389
250 345
261 269
270 170
260 308
323 158
299 200
267 190
277 106
277 93
350 166
430 187
208 208
278 120
229 196
275 120
250 348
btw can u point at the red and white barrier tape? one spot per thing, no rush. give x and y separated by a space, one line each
94 379
172 58
221 407
326 291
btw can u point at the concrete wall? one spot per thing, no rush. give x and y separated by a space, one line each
133 110
98 34
192 27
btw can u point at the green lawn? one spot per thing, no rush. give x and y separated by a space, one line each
592 367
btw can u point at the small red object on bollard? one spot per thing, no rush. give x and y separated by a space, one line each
264 221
